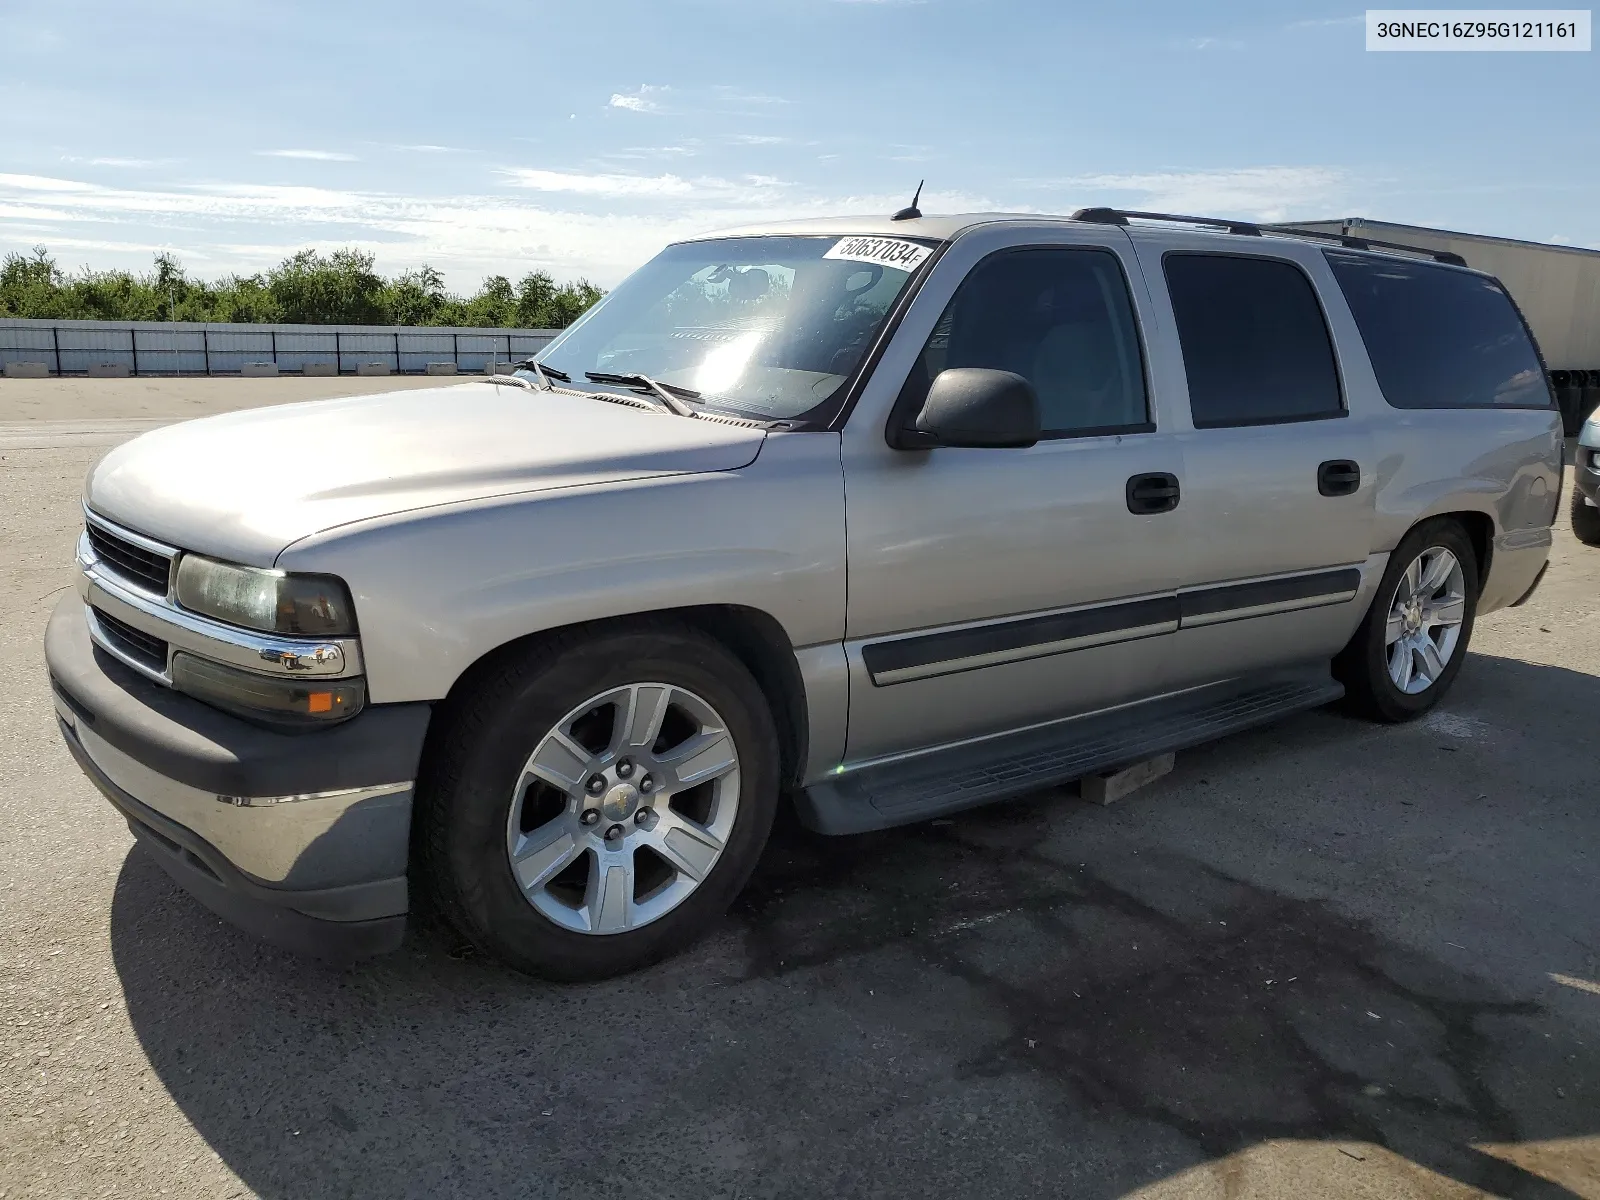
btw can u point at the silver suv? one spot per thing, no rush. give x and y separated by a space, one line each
881 517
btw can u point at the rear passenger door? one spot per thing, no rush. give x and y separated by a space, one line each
1278 478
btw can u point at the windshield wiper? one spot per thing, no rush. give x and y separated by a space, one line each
667 393
545 374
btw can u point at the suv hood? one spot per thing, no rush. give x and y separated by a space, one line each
245 485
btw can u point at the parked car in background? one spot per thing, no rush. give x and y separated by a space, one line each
1586 483
886 517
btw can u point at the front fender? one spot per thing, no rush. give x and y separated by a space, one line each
437 589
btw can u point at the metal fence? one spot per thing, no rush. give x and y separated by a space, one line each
188 348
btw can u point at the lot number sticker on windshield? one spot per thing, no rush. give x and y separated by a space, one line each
886 252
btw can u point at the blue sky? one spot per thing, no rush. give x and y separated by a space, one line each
580 137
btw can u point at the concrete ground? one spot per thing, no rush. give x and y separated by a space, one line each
1322 959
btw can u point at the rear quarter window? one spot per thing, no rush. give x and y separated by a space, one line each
1439 337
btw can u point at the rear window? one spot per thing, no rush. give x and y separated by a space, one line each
1439 337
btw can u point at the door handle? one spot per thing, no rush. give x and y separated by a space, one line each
1153 492
1339 477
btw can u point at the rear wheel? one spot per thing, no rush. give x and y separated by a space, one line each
1585 520
595 804
1411 644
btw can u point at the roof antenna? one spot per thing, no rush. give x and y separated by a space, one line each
911 212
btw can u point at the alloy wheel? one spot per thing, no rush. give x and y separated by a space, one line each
1425 616
623 808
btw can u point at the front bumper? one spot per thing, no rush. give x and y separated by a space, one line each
301 838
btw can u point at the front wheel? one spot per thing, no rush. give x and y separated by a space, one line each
595 804
1585 520
1412 642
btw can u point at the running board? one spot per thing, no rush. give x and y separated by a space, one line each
998 768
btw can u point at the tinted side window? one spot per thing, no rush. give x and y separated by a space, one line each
1440 338
1255 346
1063 320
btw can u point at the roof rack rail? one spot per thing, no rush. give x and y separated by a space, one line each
1363 243
1119 216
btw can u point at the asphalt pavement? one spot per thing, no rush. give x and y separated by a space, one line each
1325 958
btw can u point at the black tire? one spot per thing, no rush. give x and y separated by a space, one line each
1585 520
470 773
1363 665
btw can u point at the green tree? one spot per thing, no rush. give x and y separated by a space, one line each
339 289
494 305
246 298
30 285
343 288
542 304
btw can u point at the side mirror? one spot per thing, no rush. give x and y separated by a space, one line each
975 406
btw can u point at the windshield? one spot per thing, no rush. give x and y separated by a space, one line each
769 325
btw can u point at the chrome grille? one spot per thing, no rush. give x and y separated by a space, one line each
144 569
135 643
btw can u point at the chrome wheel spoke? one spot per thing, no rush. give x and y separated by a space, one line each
1401 663
1395 629
1429 662
1452 610
1437 572
707 755
559 761
641 721
608 898
1411 581
687 847
546 852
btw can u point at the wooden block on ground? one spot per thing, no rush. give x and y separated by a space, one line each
441 368
259 370
108 370
372 369
1103 789
320 369
27 370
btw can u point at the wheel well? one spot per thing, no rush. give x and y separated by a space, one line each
761 644
1479 529
755 638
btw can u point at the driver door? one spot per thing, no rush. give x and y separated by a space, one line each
995 588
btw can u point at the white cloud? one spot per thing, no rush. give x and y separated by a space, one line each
646 100
599 184
117 161
745 188
564 224
687 149
42 183
313 155
724 95
425 148
756 139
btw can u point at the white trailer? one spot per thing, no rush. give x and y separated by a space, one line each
1557 288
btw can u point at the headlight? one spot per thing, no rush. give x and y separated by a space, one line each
271 601
283 702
